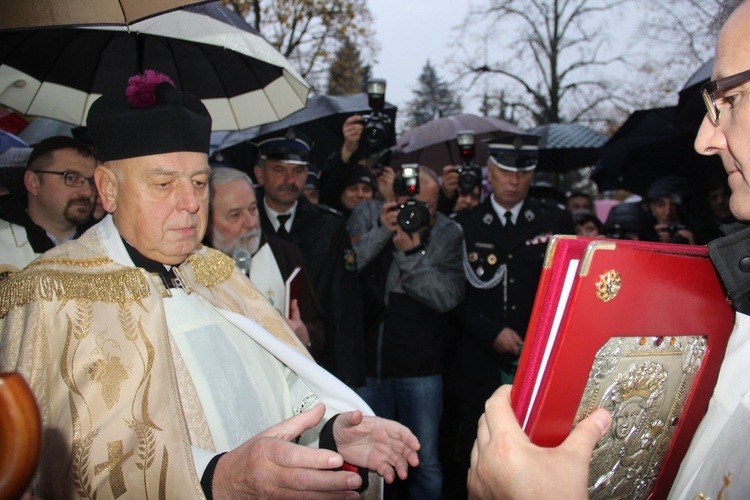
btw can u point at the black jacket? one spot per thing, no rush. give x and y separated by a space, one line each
486 311
320 233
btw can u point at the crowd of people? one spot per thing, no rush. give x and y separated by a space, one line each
182 339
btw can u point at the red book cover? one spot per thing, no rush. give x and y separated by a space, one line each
638 328
548 293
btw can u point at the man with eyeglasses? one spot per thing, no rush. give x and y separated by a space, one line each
60 189
505 464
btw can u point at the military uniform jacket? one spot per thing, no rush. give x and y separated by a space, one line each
502 269
320 232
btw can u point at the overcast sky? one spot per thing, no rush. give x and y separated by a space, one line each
410 32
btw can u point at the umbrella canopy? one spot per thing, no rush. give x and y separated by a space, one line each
206 49
434 143
321 120
8 140
690 106
567 146
38 13
649 145
41 128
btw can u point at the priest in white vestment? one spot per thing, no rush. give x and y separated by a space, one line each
159 370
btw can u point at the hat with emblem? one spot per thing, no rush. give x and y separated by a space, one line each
149 117
517 153
289 146
313 178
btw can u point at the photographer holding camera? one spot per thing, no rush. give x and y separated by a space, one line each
409 260
668 203
367 142
461 188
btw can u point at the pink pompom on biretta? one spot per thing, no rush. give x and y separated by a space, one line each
140 90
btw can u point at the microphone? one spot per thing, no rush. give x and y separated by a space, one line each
243 260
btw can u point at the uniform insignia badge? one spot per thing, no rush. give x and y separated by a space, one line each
350 260
480 271
529 215
487 219
492 259
473 256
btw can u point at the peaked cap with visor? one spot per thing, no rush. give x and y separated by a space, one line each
290 146
516 153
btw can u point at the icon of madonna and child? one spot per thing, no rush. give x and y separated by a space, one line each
645 393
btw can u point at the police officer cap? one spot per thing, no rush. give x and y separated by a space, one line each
150 117
313 178
290 146
516 153
674 187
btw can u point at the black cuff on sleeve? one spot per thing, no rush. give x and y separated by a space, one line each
207 480
326 442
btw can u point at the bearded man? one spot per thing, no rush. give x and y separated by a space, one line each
59 181
234 227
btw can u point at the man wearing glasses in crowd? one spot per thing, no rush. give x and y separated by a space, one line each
59 181
506 465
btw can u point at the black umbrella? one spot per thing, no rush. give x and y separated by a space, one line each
690 106
207 50
649 145
567 146
321 121
434 143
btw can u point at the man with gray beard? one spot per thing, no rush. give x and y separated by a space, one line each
59 181
234 225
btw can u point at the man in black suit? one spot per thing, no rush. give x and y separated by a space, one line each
320 232
506 238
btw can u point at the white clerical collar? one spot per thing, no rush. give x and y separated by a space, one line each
113 244
500 211
273 214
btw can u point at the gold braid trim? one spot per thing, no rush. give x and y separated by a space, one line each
98 261
211 267
119 286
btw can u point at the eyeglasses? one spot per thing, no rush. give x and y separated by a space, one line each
71 179
710 89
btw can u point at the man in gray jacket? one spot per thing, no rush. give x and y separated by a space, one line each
409 260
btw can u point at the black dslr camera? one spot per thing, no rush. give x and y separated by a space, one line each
469 175
413 214
376 136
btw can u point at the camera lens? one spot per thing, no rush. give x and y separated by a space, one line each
468 179
413 216
375 135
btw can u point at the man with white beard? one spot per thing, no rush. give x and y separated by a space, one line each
234 224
